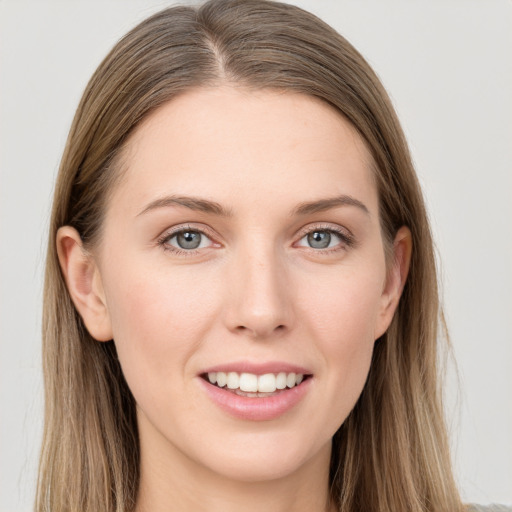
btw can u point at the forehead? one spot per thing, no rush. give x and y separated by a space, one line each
237 145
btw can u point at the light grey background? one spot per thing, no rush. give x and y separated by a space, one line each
448 67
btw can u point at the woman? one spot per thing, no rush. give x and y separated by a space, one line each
241 308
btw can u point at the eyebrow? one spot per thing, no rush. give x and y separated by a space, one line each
211 207
327 204
193 203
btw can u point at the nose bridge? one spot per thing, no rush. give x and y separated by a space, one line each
258 304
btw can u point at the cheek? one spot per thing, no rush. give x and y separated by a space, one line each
342 317
155 300
158 321
344 308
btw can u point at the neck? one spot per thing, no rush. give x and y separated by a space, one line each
169 480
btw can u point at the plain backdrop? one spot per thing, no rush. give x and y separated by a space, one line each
448 67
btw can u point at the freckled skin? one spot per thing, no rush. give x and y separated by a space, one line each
255 290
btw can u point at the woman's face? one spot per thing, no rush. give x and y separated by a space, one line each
243 241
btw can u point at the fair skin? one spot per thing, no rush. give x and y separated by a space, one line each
265 282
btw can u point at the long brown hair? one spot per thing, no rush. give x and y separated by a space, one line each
391 454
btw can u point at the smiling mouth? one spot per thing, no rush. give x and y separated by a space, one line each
255 386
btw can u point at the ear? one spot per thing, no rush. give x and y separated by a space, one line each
395 279
84 283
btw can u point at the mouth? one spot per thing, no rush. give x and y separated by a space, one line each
251 385
257 391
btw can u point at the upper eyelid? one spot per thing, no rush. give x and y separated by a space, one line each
170 232
208 231
334 228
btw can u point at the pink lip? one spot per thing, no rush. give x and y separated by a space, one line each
256 409
258 368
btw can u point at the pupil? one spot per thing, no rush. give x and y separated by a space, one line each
189 240
319 239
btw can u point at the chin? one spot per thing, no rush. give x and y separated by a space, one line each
267 459
257 469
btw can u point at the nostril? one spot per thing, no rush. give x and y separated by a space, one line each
261 332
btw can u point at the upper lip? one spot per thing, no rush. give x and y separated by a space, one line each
257 368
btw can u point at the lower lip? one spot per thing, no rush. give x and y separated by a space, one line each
256 409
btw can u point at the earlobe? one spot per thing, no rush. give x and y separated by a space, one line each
396 278
84 283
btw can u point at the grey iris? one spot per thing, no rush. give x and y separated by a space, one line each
188 239
319 239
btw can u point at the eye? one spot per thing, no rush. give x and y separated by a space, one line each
185 240
319 239
325 239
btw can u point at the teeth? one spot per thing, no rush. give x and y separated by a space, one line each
281 380
290 380
251 383
233 381
221 379
267 383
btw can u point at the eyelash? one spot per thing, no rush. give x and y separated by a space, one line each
347 239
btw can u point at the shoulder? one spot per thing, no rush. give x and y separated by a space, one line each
489 508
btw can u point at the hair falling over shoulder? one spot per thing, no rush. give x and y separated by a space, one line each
392 453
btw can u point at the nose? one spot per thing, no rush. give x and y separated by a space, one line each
259 300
